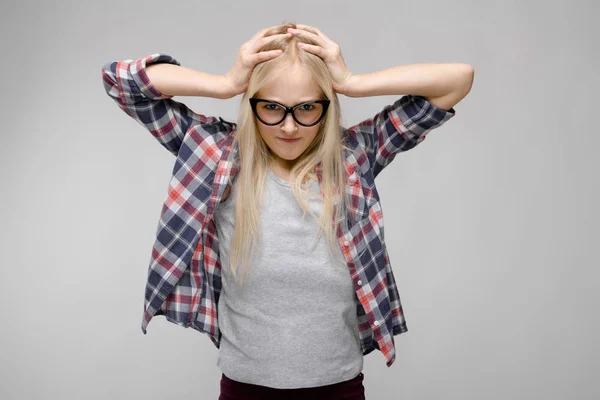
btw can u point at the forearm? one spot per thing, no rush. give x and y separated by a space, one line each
175 80
428 80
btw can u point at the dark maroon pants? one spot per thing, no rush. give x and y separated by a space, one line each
352 389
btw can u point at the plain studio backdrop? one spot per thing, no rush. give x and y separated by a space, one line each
491 222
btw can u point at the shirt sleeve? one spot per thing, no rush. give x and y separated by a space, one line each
127 83
398 127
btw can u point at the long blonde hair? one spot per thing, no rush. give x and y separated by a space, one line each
255 158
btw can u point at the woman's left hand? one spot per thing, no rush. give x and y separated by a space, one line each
330 52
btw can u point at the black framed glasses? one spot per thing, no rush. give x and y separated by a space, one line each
272 113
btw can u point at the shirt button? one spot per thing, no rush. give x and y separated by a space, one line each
376 323
346 243
359 282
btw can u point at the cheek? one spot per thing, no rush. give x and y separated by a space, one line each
312 133
268 133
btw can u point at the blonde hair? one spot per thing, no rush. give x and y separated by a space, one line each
255 158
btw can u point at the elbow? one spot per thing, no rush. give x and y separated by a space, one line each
468 74
464 81
109 79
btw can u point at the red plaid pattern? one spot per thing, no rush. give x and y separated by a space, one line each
184 275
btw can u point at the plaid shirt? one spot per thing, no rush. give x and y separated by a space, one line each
184 275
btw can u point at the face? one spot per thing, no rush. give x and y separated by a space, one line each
291 87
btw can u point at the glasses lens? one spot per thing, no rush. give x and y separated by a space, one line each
309 113
272 113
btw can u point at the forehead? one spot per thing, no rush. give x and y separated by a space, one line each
291 86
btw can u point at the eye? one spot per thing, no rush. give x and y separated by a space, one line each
271 106
307 107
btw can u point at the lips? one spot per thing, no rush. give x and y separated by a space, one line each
289 140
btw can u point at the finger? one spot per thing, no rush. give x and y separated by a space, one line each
262 32
321 34
308 28
264 56
259 43
314 30
313 36
318 50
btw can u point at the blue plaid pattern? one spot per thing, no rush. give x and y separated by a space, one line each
184 274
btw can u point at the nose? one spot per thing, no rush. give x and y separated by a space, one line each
288 124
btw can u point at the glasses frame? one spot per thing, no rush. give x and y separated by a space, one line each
254 102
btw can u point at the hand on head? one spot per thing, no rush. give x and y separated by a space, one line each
330 52
248 56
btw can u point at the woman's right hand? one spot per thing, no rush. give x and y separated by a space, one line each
248 57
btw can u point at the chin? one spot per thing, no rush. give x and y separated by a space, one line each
289 155
289 158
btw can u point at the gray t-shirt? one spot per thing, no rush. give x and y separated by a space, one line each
295 323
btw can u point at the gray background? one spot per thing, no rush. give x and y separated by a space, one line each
491 222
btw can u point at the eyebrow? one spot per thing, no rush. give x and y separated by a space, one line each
303 101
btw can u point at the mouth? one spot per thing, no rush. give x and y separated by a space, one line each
289 140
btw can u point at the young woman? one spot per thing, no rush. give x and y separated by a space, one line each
292 301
